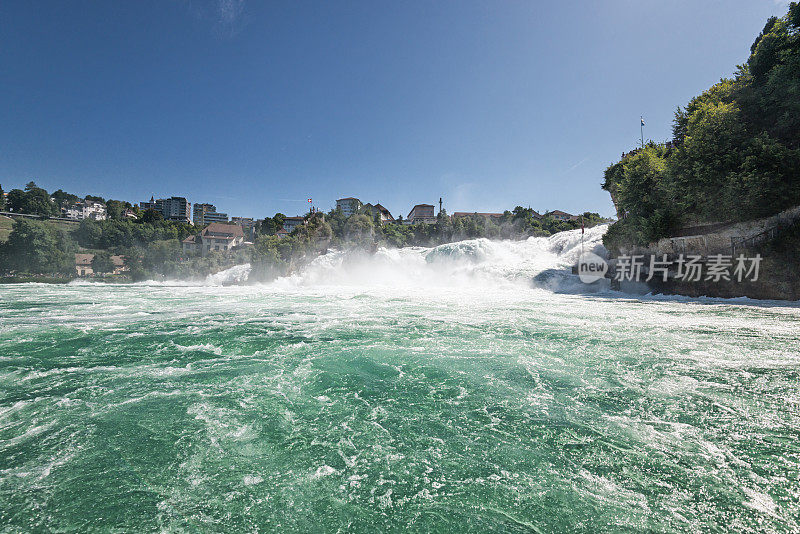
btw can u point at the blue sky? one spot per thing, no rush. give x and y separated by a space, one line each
256 106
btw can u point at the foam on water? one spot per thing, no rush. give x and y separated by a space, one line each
418 389
542 261
234 275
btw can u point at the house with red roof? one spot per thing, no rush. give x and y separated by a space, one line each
215 237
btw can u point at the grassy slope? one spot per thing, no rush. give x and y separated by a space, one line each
6 223
5 228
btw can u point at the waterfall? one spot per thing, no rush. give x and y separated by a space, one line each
540 261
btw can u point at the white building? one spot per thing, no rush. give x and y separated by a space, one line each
248 225
348 205
86 209
207 213
172 209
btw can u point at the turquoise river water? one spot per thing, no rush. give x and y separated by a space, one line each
470 388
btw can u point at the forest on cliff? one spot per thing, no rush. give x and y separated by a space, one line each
735 152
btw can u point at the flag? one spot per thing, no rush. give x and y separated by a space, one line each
642 119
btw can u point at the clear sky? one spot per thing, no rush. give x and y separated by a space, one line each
255 106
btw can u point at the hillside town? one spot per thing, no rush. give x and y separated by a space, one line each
103 243
201 215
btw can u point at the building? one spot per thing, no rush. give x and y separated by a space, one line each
348 205
172 209
248 225
130 214
203 214
421 213
151 205
386 217
86 209
175 209
214 237
562 215
290 223
83 264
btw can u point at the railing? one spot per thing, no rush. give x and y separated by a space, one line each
14 215
770 233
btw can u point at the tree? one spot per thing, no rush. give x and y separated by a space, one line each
271 225
2 199
89 233
33 200
151 216
38 247
64 199
737 149
359 229
115 209
102 262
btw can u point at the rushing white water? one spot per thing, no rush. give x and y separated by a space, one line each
433 390
539 261
233 275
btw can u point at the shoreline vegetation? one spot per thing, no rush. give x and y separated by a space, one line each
150 247
734 157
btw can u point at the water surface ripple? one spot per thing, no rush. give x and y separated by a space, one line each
339 408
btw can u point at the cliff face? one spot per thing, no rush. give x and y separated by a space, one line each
774 283
778 272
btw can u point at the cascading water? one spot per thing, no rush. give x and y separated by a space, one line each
233 275
539 261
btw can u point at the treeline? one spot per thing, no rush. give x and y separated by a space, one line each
735 154
273 255
33 200
151 247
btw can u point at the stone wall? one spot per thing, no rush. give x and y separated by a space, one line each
719 241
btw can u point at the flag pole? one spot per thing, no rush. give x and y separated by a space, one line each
641 128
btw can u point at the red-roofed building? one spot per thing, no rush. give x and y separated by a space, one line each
215 237
386 216
83 264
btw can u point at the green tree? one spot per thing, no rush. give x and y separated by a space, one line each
736 153
64 199
271 225
33 200
115 209
359 229
89 233
151 216
38 247
2 199
102 262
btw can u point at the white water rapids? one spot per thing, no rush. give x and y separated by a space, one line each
541 261
476 386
